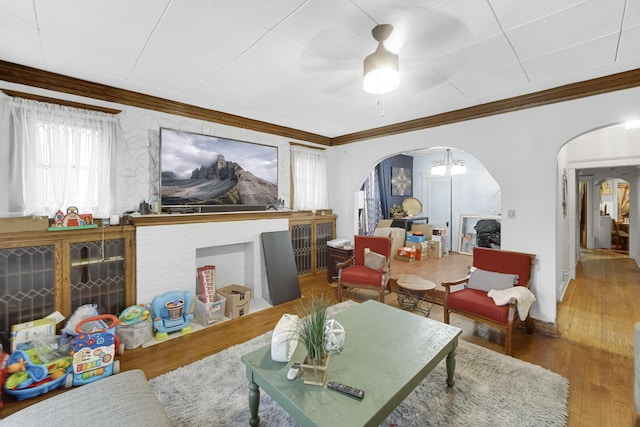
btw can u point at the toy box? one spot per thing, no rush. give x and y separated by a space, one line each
238 300
208 313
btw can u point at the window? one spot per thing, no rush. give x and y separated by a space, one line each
309 172
60 157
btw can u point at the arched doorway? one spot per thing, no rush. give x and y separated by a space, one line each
611 155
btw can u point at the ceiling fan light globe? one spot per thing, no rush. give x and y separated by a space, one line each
381 81
381 72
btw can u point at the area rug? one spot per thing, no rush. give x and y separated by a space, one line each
490 389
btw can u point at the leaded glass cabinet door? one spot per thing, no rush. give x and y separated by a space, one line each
309 237
98 275
324 231
27 279
301 240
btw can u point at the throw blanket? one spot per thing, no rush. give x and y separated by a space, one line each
523 296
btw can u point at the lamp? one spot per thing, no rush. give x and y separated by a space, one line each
448 165
381 67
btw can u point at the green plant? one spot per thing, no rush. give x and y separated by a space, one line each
310 328
398 211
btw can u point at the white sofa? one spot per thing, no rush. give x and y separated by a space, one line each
124 399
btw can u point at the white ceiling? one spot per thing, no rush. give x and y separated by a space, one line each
298 63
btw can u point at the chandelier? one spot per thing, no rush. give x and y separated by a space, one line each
448 165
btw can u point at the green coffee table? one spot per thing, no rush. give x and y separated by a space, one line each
387 353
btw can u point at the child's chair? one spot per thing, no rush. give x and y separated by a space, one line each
170 313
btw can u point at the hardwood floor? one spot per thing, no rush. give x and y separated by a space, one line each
594 349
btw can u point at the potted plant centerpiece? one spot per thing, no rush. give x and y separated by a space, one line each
398 212
311 333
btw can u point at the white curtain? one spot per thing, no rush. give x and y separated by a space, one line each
60 157
309 171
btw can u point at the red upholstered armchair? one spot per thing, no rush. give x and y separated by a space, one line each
476 303
354 272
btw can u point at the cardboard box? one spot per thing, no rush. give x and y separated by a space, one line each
426 229
415 239
238 300
208 313
434 249
439 231
384 223
397 235
406 254
24 223
24 332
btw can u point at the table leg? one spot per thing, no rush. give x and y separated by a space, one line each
254 403
451 364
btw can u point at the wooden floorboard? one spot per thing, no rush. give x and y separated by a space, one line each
594 350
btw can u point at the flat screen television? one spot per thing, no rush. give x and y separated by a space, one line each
203 173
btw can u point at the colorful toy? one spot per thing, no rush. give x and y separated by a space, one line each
133 314
95 348
29 379
170 313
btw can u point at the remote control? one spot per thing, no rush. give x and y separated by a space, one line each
345 389
293 371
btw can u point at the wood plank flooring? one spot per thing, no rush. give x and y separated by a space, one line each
594 349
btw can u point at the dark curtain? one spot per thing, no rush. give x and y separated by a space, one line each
384 178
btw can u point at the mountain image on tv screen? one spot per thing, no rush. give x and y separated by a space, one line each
206 170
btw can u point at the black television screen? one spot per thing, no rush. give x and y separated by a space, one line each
202 172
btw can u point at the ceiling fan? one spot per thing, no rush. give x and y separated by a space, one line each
381 72
419 38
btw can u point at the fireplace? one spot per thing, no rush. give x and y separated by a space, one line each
168 256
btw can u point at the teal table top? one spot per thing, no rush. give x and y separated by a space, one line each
387 353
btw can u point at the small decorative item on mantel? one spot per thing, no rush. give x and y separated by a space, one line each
72 220
311 333
398 212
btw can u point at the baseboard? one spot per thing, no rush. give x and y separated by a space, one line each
546 328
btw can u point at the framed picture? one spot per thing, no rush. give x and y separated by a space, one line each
401 182
468 237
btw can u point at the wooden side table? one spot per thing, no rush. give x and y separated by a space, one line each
412 291
336 256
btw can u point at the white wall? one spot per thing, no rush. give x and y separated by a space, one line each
520 151
474 193
137 168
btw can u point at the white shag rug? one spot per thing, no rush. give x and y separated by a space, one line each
490 389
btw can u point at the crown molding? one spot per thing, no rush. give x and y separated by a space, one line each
596 86
21 74
34 77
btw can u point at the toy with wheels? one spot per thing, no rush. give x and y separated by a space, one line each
28 379
95 349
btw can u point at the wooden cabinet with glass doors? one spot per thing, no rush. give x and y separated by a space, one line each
309 236
45 271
